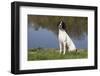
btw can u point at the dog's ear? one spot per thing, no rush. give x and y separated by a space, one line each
64 25
58 23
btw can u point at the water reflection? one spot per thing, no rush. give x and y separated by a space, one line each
42 38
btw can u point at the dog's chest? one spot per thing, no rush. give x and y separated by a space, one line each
62 35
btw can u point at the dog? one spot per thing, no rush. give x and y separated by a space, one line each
65 42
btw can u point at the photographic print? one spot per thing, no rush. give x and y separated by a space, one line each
57 37
52 37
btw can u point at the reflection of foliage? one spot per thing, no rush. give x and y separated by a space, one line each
76 26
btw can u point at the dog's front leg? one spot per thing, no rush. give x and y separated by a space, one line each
64 44
60 45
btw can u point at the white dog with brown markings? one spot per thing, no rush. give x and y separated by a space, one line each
65 42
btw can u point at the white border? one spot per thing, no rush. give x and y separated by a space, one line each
26 65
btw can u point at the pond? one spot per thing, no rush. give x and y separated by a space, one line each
44 38
43 31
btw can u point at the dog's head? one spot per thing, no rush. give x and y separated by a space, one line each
61 25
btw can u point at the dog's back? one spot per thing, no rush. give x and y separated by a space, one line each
70 44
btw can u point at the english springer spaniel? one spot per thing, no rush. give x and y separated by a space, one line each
65 42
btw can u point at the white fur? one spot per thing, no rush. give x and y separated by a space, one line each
65 40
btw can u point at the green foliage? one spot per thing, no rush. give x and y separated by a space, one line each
52 54
75 25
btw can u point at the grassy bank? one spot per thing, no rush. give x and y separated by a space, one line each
51 54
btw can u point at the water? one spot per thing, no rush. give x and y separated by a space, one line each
42 38
45 38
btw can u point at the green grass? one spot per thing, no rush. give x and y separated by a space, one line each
51 54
